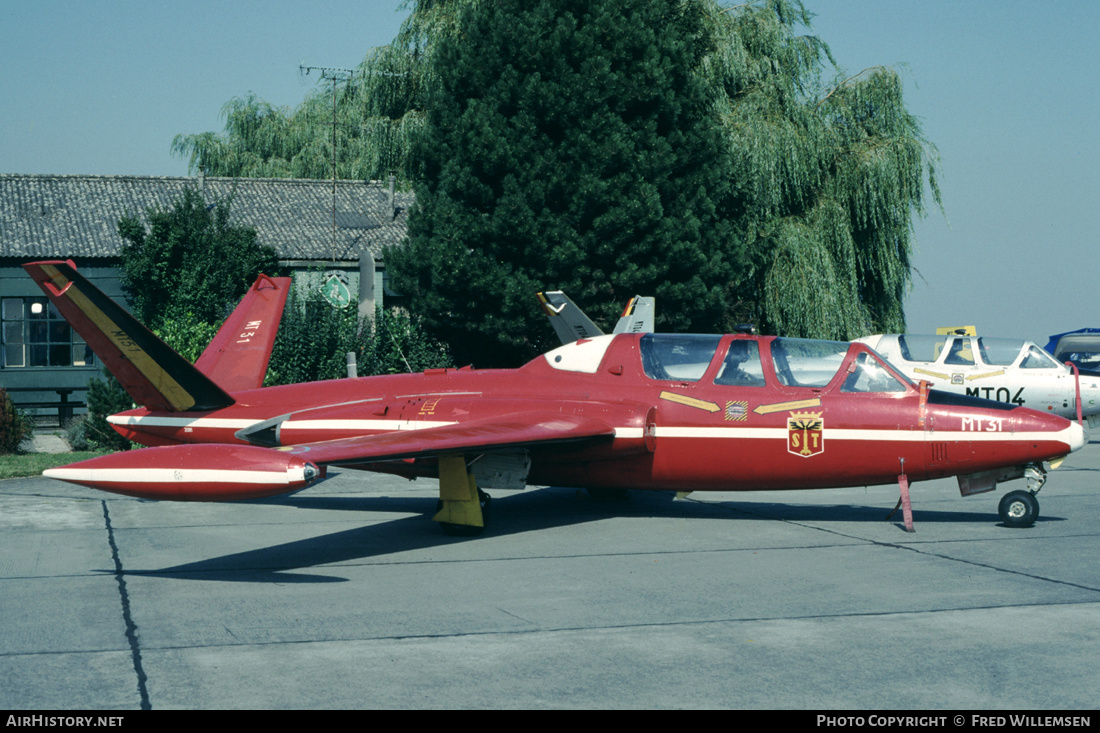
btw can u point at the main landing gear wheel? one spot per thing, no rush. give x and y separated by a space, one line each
1019 509
467 530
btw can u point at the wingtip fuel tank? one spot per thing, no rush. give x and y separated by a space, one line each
201 472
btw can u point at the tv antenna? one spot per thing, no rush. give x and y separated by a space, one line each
335 76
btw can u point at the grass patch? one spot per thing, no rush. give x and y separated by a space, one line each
21 465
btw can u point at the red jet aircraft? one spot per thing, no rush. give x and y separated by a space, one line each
652 411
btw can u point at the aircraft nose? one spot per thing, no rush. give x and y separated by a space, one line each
1042 427
1076 435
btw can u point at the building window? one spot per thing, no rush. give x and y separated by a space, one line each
35 335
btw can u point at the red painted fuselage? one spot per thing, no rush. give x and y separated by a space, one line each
690 432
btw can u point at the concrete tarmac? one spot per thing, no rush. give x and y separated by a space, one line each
347 596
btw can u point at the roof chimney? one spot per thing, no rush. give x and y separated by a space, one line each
390 202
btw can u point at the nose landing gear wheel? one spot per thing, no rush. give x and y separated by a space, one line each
1019 509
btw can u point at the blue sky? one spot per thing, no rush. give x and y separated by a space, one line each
1005 89
1008 93
103 86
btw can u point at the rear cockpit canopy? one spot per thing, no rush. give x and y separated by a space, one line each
811 363
966 351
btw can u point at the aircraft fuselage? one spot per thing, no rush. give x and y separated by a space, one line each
681 433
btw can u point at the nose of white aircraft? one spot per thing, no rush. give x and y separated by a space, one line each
1090 395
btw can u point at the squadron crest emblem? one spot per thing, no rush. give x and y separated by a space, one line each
805 433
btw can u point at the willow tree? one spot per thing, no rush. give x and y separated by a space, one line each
378 112
830 176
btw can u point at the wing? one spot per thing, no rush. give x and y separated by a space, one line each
224 472
520 430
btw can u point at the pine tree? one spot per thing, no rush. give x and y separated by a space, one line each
567 144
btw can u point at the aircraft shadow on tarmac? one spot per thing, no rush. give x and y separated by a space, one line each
530 511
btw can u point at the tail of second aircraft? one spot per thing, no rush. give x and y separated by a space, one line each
637 316
148 369
570 323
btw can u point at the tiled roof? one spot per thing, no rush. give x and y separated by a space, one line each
77 216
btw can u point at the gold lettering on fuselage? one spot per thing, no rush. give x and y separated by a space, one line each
784 406
972 377
929 373
690 401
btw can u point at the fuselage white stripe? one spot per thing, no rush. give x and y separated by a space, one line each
362 424
664 431
907 436
157 421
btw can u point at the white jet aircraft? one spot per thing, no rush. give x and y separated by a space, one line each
1006 370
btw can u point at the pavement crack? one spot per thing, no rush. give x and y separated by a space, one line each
922 551
127 617
988 566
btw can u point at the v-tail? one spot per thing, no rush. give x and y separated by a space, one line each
150 371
